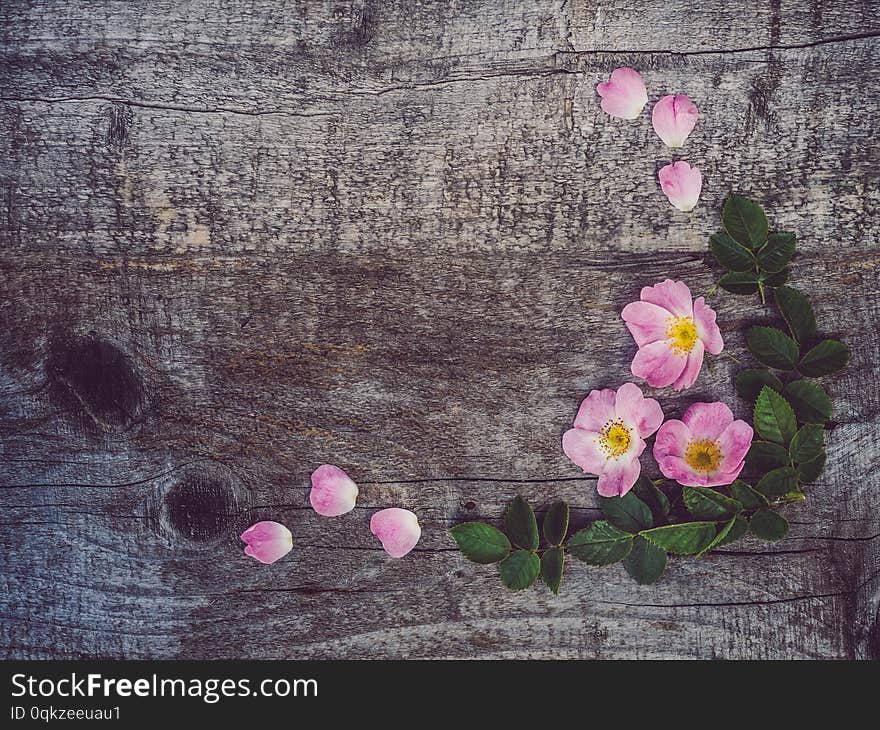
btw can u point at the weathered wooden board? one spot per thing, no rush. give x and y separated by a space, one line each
240 239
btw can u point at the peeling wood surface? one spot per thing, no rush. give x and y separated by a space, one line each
241 239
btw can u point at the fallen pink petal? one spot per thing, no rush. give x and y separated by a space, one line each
706 448
608 436
672 333
674 118
682 184
624 95
397 529
267 541
333 491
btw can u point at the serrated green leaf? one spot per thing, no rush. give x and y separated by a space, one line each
774 280
652 496
556 522
777 252
730 254
740 528
600 544
774 418
796 311
778 482
809 471
810 402
707 504
719 537
827 357
481 543
627 513
687 538
764 456
739 282
768 525
745 221
552 565
645 563
746 496
808 443
750 382
772 347
521 525
520 569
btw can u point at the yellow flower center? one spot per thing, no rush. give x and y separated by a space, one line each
703 455
614 439
682 334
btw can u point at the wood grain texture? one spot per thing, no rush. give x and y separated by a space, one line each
241 239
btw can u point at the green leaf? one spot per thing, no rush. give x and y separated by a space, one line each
646 562
810 402
768 525
827 357
774 418
739 282
772 347
656 500
552 564
521 525
778 482
480 542
809 471
730 254
707 504
746 496
600 544
687 538
520 569
774 280
720 537
764 456
750 382
740 528
745 221
796 311
556 523
777 252
808 443
626 513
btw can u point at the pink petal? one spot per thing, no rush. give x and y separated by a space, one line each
658 363
682 184
672 439
333 492
582 447
734 443
625 95
674 118
707 420
618 477
673 296
691 368
646 322
397 529
707 330
643 414
721 478
675 467
595 410
267 541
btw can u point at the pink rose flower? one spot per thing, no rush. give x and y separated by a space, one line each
267 541
706 448
397 529
674 118
608 436
333 492
624 95
672 332
682 185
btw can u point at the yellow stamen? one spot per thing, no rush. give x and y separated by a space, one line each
682 334
703 455
614 439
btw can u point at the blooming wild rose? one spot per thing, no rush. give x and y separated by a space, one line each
608 436
706 448
672 333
